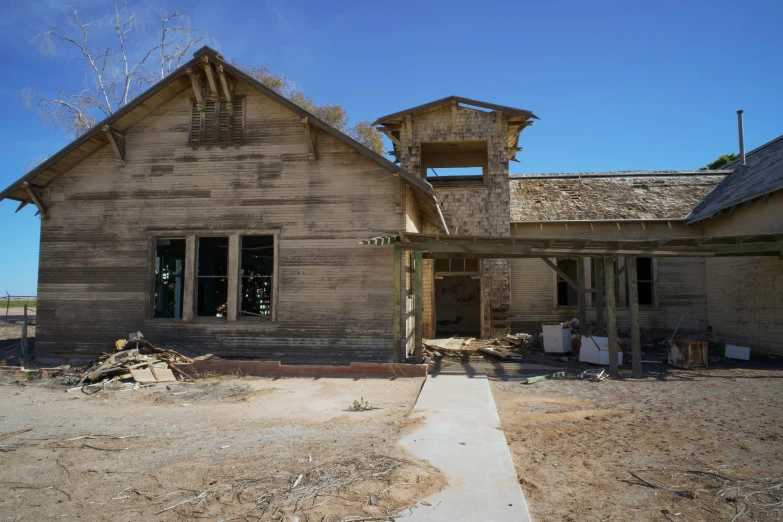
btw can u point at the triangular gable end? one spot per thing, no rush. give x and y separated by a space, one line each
109 131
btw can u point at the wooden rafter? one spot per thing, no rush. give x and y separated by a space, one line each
226 90
389 135
36 199
21 206
309 138
409 130
213 89
117 141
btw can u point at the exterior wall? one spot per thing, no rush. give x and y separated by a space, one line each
412 224
745 295
334 296
480 211
680 284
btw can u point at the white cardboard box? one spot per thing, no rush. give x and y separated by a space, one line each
737 352
595 350
556 338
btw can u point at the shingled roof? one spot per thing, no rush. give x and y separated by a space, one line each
761 175
647 195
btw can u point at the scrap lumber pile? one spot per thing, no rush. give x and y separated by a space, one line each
137 360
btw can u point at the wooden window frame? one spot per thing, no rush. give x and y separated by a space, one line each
190 275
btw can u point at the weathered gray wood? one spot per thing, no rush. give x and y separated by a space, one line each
188 305
418 353
23 341
309 134
36 200
234 283
633 302
599 296
611 312
117 142
226 90
197 91
210 77
397 357
276 279
581 296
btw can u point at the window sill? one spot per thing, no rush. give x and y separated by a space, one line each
210 322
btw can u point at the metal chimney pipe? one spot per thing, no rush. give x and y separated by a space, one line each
741 136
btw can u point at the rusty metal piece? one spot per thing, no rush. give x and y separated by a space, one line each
688 354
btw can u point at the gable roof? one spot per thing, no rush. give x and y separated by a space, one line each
157 95
761 175
458 99
594 196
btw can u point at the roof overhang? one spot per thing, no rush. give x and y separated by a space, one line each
435 246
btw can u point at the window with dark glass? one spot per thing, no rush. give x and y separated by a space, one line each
169 272
257 261
644 275
212 277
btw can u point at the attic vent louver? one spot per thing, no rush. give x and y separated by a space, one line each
217 127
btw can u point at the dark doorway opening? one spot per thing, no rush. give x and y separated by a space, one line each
457 305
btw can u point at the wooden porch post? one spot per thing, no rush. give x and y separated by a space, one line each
611 313
397 357
633 302
418 353
599 296
580 283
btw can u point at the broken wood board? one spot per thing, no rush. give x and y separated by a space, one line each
448 345
499 352
145 375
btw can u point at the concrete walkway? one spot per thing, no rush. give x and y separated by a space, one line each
462 437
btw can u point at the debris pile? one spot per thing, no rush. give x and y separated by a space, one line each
137 360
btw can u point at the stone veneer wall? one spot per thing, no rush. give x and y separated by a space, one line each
471 211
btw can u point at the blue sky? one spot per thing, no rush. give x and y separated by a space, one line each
618 85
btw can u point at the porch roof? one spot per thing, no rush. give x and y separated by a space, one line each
434 246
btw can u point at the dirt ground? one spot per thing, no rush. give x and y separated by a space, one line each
716 436
221 449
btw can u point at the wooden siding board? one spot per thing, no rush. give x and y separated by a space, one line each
334 297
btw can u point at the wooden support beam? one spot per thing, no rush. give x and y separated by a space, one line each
581 297
197 90
309 133
599 296
562 274
409 130
633 302
226 91
397 354
619 272
36 199
188 291
418 264
611 312
21 206
117 142
386 132
398 192
234 284
213 88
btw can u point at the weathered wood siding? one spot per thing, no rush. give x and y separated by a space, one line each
680 283
745 294
334 296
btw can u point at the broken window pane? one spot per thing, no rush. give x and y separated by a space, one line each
169 269
256 269
212 275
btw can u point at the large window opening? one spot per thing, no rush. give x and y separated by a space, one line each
566 294
444 159
256 270
212 277
169 273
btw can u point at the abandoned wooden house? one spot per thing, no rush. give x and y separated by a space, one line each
214 212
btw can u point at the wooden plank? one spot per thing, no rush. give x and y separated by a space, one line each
309 133
397 357
188 307
117 142
633 302
599 296
234 284
418 264
210 77
581 297
611 312
276 278
35 199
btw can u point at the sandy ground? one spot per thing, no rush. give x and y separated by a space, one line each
231 446
574 444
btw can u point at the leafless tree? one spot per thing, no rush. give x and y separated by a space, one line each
119 66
